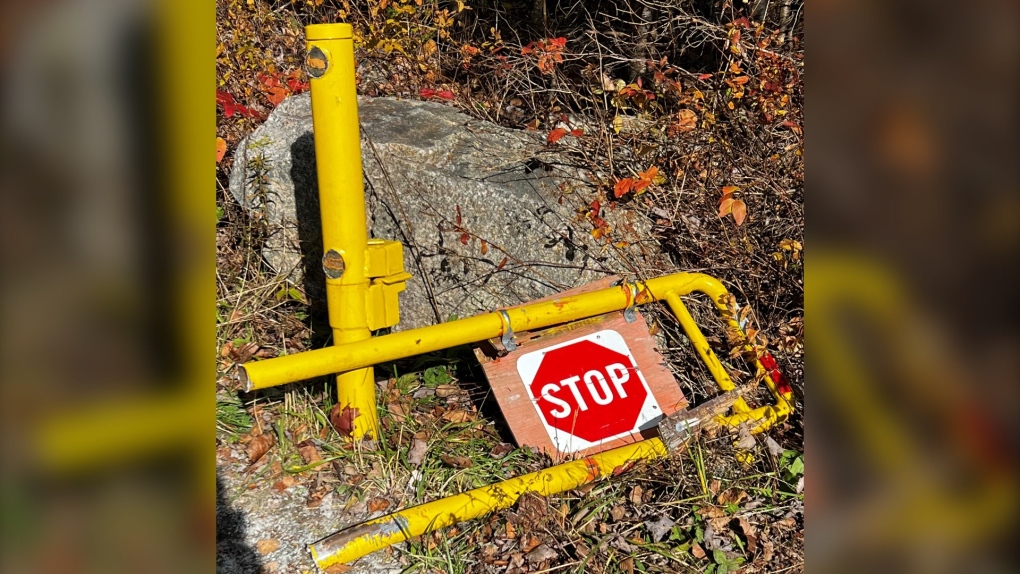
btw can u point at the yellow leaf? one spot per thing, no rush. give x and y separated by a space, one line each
617 124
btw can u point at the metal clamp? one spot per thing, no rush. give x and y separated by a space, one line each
630 312
508 332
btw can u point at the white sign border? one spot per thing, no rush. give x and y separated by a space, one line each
648 417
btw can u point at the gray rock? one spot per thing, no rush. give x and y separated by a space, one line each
423 161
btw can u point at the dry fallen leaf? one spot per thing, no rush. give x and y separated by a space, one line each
500 450
443 391
416 454
714 485
284 483
458 416
750 533
731 496
377 504
635 495
268 545
343 419
627 565
339 569
315 497
530 542
745 440
456 461
259 446
540 554
618 512
697 551
308 452
688 120
511 532
660 528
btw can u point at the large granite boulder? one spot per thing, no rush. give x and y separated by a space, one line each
426 166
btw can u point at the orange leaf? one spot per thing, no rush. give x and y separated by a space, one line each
577 133
639 186
555 135
485 247
740 80
277 94
649 174
729 189
502 264
726 206
622 187
739 211
376 504
221 148
688 120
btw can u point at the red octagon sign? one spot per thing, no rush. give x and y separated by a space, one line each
588 391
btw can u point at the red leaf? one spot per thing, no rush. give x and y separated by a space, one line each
464 238
459 219
558 42
704 76
427 93
294 82
446 95
622 187
596 206
577 133
343 419
555 135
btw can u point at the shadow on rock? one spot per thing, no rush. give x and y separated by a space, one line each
233 554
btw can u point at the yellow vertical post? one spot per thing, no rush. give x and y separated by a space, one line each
330 65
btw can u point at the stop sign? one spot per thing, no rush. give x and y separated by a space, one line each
588 391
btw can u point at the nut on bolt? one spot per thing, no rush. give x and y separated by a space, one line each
333 264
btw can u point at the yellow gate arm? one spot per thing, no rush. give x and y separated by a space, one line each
360 354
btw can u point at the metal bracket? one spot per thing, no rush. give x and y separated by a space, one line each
630 313
508 333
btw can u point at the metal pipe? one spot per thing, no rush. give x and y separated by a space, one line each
357 541
400 345
342 204
351 356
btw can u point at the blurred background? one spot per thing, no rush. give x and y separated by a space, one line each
106 286
913 227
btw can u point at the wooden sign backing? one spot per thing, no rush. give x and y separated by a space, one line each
513 397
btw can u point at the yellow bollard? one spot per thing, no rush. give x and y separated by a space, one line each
330 66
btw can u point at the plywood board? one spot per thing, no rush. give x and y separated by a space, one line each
647 388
